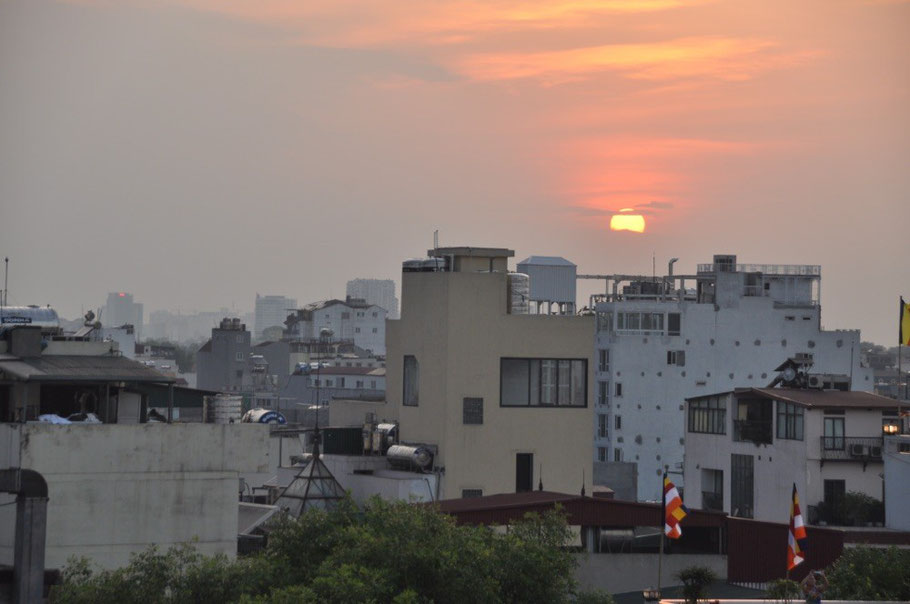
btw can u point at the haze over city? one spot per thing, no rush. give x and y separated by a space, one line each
196 152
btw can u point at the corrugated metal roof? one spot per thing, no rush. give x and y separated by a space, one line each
824 398
546 261
79 368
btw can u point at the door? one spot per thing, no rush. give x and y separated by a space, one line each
524 472
742 479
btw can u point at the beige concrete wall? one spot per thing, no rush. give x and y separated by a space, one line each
353 413
457 327
618 573
116 489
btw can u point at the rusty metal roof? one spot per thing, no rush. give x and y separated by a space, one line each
823 398
79 368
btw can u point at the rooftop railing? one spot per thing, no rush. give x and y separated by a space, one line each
806 270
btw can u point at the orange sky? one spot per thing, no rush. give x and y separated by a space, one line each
774 129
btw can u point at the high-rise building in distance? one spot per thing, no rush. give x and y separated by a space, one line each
271 311
122 310
380 292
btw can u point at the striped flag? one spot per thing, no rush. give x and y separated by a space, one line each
903 325
797 541
674 510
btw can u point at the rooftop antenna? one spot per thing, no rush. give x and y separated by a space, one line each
582 482
5 280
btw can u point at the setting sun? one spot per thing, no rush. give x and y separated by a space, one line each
627 222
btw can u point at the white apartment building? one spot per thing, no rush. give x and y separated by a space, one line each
349 320
659 342
747 447
272 311
380 292
500 396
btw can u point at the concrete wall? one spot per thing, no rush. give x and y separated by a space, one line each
116 489
784 462
622 477
618 573
353 413
897 484
457 326
736 345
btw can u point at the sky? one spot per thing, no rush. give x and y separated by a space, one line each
196 152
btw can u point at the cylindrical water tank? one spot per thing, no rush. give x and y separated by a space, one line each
34 316
519 293
224 408
420 457
412 265
263 416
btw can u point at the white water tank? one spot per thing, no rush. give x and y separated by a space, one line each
519 293
223 409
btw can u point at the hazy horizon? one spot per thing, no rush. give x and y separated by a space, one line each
194 152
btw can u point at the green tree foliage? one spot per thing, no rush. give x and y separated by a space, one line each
695 580
382 552
868 573
784 590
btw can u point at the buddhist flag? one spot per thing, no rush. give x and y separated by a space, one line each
674 510
904 325
797 540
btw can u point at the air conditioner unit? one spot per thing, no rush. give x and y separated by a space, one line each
875 451
857 451
816 381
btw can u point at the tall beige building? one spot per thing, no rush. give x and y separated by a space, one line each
504 397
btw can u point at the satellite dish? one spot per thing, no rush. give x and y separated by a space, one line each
788 374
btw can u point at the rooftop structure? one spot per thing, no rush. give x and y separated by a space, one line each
271 311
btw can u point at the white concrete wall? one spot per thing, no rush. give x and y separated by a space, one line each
116 489
778 465
618 573
897 484
736 345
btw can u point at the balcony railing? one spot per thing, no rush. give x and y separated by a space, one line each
756 431
809 270
712 501
851 448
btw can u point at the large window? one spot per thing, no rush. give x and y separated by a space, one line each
708 415
604 321
602 393
603 360
640 322
543 382
789 421
411 380
601 426
673 324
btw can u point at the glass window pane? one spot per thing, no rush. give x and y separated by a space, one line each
579 382
514 381
535 381
548 378
564 381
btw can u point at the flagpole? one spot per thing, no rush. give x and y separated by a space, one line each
663 520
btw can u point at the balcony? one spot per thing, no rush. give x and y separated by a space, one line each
851 448
712 501
755 431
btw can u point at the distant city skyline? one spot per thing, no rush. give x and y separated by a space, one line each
195 152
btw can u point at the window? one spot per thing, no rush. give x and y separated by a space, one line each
344 315
789 421
673 324
411 380
617 422
618 390
708 415
834 433
239 373
601 426
602 393
375 330
835 492
890 423
543 382
604 321
676 357
341 382
603 360
640 322
742 485
238 356
373 384
328 383
601 454
239 338
469 493
359 383
472 411
375 314
356 330
617 454
712 490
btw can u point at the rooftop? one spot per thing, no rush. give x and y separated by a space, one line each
78 368
546 261
816 399
477 252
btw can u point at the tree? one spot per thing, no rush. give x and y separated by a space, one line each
695 580
381 552
868 573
